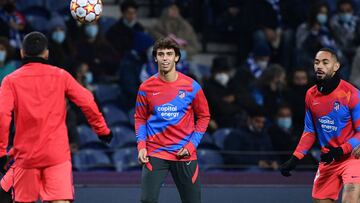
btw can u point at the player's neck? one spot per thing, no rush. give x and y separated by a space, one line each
170 76
329 85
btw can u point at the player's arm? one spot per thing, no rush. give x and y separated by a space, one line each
201 110
84 99
353 144
6 108
141 115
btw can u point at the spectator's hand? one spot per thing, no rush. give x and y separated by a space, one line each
356 152
3 163
335 153
142 156
289 166
263 164
274 165
106 138
183 153
229 99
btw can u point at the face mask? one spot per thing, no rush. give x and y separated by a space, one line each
2 56
58 36
91 31
255 130
321 18
222 78
284 123
345 17
262 64
89 78
129 24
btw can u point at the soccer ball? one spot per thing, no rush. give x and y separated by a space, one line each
86 11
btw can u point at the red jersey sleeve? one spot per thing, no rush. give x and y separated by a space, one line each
6 108
141 116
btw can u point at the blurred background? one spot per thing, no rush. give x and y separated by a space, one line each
253 58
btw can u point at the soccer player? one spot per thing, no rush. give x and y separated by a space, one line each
35 94
167 134
333 117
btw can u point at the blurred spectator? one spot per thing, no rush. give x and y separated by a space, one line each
61 50
121 34
172 24
299 84
345 27
271 89
355 70
130 68
7 65
222 101
12 23
315 34
283 137
93 49
252 144
84 76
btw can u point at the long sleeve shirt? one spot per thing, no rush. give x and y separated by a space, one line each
164 117
36 95
334 119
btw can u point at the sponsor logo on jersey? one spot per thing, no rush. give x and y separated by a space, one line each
328 124
168 111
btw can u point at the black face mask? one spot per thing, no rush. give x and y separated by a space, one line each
300 88
327 85
9 7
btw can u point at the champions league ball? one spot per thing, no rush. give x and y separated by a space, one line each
86 11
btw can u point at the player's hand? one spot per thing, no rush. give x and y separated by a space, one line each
183 153
106 138
142 156
356 152
3 163
288 166
335 153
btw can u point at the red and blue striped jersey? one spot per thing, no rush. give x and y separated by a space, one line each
334 119
165 116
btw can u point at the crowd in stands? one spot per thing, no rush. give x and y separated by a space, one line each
256 100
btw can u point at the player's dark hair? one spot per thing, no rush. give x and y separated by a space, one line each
128 4
255 111
34 44
166 43
331 51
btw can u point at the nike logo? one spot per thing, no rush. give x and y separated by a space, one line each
155 93
354 176
315 103
188 163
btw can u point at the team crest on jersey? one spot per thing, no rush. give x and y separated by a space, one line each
182 94
336 105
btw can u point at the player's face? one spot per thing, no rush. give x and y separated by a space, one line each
325 65
166 60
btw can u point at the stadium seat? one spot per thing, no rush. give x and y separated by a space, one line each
25 4
123 136
114 115
91 160
37 17
131 114
220 135
86 135
107 93
209 159
125 159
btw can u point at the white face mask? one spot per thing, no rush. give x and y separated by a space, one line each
222 78
284 122
262 64
2 56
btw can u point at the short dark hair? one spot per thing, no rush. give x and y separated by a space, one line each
255 110
166 43
128 4
331 51
34 44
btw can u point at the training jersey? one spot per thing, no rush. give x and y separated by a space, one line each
36 93
165 116
334 119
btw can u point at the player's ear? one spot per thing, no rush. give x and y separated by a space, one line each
46 54
155 60
22 55
177 58
337 66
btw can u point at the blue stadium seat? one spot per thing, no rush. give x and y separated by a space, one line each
107 93
125 159
114 115
91 160
86 135
25 4
37 17
123 136
209 159
220 135
131 114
